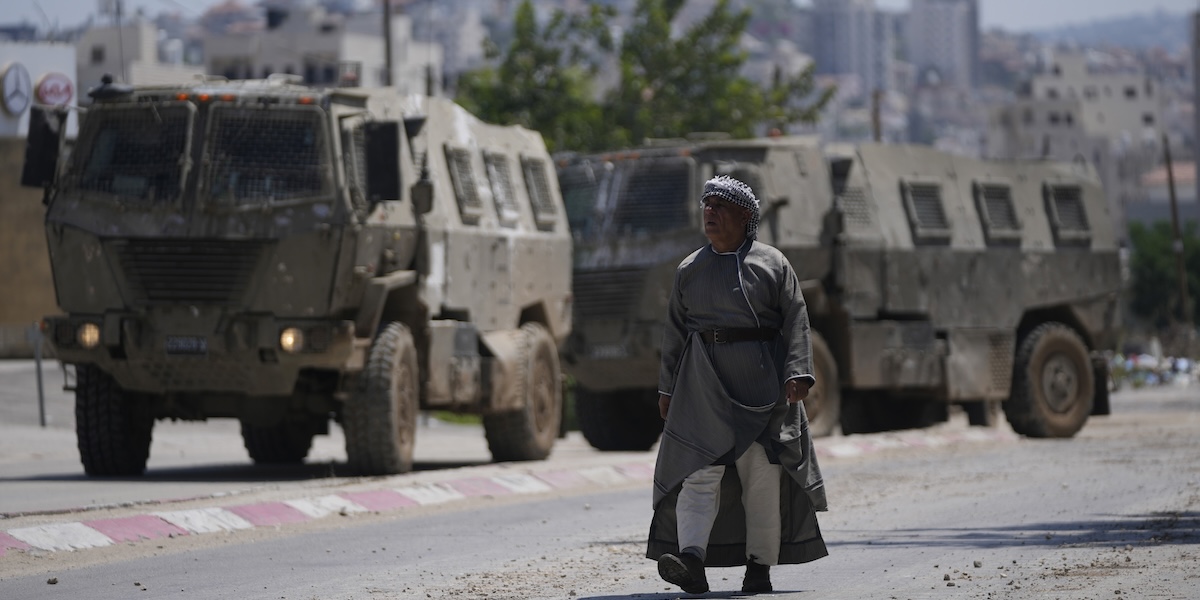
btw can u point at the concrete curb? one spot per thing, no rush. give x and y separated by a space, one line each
157 524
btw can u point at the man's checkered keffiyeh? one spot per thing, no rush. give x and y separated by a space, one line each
724 186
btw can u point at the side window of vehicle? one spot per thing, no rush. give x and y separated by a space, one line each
500 179
997 214
1067 214
656 197
355 163
537 183
470 206
926 212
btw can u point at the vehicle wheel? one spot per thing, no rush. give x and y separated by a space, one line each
380 420
625 420
1052 390
113 428
529 432
824 402
284 443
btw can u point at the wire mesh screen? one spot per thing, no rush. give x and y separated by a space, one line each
263 155
580 185
136 152
458 160
537 183
656 197
502 188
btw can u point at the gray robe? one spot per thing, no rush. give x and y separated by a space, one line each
727 396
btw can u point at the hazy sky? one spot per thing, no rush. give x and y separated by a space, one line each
1009 14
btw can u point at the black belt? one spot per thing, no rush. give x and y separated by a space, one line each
738 334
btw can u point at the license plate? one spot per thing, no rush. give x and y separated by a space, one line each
187 344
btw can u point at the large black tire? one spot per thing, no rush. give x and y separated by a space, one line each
528 433
1053 383
824 402
113 428
380 419
624 420
285 443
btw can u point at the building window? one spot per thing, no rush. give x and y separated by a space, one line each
1149 89
1028 116
97 54
1069 119
1052 93
1053 117
458 161
1131 92
1148 120
1089 92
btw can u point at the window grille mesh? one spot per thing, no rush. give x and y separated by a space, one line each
855 210
469 205
266 155
502 188
927 206
136 153
997 202
655 198
1068 204
580 186
537 183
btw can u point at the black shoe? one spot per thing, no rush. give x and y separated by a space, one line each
685 570
758 579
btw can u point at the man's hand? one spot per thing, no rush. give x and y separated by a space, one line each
664 402
797 390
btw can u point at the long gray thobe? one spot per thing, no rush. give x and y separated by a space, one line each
725 397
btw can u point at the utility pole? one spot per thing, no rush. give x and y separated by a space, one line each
387 43
1185 312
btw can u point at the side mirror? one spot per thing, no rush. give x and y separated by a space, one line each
42 147
382 143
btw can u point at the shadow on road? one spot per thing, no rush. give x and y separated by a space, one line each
675 596
219 473
1165 528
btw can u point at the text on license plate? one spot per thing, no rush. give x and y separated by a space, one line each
186 344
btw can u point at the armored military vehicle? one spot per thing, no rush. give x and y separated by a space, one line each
285 256
930 280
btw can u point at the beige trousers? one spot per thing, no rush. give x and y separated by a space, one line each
700 498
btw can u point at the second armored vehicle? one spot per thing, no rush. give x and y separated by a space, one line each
285 256
930 280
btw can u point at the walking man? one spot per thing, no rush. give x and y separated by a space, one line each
736 364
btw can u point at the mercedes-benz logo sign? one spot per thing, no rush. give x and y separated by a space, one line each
16 89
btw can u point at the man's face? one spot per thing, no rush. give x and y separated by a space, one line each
724 221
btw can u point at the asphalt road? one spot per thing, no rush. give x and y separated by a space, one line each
1111 513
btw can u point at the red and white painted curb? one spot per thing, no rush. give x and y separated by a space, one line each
97 533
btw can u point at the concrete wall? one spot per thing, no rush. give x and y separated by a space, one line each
27 290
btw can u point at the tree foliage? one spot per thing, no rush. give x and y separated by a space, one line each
670 85
543 80
1154 293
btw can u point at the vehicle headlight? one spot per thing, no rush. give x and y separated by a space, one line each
291 340
88 335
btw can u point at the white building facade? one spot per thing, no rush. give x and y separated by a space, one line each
131 53
851 37
329 49
943 35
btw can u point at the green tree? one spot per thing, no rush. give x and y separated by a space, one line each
543 79
673 86
1154 293
670 86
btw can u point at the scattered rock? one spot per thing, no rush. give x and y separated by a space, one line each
52 581
978 563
